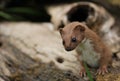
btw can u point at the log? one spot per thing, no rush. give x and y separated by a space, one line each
34 52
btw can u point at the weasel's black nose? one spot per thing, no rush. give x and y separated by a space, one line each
68 49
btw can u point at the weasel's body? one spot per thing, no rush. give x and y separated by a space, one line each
88 44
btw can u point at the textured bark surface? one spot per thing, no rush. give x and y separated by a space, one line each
34 52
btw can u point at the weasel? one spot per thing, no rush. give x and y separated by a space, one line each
90 48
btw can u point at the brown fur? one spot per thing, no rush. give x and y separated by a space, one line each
80 31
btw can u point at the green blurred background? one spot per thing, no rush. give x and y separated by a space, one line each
34 10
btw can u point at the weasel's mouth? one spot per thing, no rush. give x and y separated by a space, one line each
80 13
69 49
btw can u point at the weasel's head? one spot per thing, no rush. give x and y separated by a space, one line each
72 34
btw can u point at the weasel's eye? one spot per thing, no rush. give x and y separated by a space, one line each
73 39
63 42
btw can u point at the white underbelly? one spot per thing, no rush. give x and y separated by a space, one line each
91 58
88 54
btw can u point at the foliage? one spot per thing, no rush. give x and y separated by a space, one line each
22 10
88 72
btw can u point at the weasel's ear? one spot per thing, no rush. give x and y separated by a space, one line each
79 27
60 30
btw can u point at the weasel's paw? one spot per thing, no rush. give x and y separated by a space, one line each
102 70
82 72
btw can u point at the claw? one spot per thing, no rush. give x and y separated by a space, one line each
106 70
102 71
83 73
